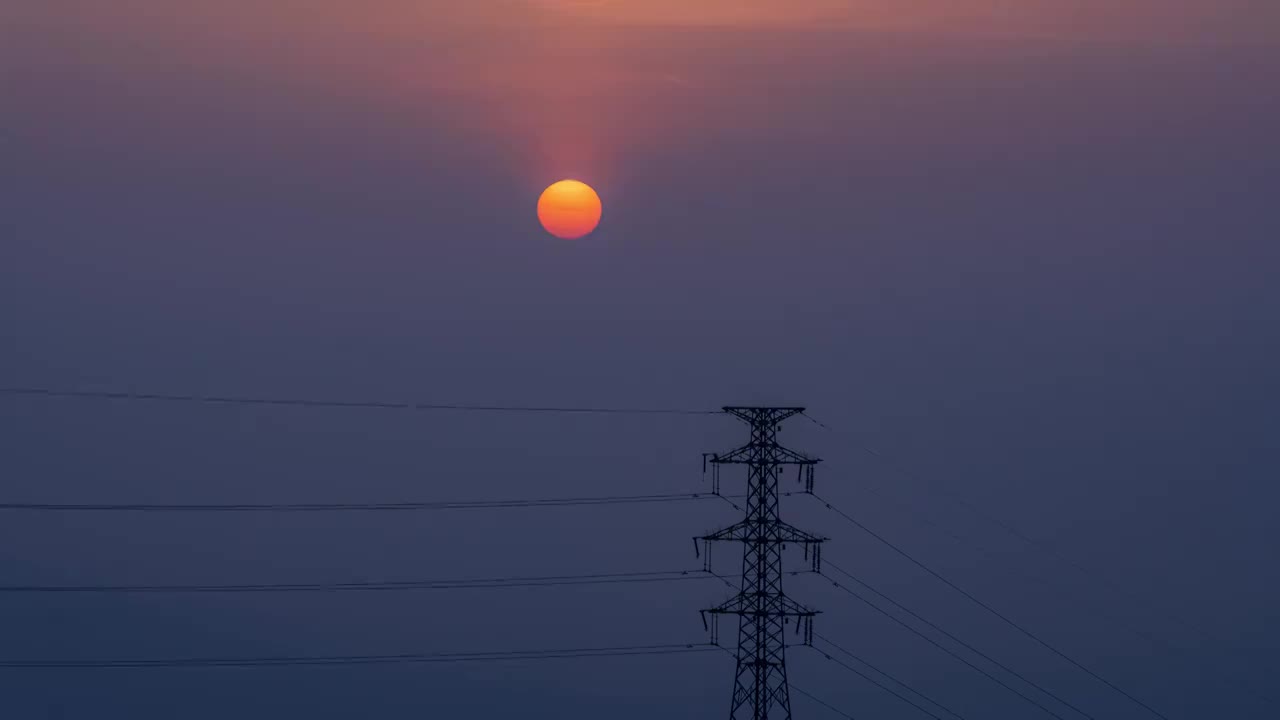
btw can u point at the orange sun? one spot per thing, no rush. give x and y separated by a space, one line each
569 209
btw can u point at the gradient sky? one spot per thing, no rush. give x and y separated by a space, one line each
1026 250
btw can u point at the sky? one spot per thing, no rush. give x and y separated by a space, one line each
1017 257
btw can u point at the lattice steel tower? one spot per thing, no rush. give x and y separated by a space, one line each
760 689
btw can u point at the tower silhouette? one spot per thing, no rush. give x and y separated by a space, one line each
760 689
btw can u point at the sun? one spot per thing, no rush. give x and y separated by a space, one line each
569 209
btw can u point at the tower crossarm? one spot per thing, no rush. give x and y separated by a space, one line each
755 415
748 455
773 533
775 605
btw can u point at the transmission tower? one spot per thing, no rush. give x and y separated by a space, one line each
760 689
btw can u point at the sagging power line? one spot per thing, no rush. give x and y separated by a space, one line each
996 613
871 680
339 404
843 651
805 693
357 507
886 688
761 680
1048 550
957 640
319 660
375 586
949 651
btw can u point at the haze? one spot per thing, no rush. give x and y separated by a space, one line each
1027 250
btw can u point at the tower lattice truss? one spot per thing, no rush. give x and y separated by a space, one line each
763 609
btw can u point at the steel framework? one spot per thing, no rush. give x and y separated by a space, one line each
760 689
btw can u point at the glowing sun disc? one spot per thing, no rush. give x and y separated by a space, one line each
569 209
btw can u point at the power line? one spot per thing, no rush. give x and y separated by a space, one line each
944 649
792 686
883 687
887 689
314 660
815 420
822 702
990 609
957 640
340 404
1041 545
388 585
1050 550
869 679
355 507
948 651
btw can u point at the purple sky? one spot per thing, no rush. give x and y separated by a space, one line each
1025 249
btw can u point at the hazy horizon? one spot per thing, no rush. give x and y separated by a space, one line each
1025 251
